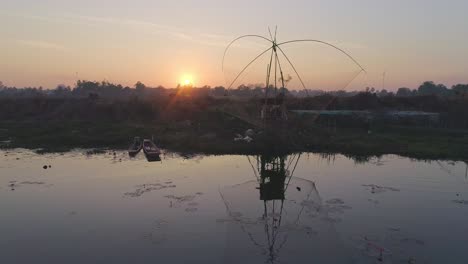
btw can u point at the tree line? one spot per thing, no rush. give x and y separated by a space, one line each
105 89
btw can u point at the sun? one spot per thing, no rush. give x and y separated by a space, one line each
186 80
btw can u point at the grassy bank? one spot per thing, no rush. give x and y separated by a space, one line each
214 132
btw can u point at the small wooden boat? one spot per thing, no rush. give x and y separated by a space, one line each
151 151
136 146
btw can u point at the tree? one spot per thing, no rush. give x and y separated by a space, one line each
383 93
139 86
460 89
62 90
404 92
1 85
430 88
370 90
219 91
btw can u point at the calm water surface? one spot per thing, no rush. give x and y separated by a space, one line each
109 208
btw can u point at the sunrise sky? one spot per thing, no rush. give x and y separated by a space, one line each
46 42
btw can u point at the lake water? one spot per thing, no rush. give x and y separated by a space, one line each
108 208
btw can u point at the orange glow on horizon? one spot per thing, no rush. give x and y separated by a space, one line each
186 80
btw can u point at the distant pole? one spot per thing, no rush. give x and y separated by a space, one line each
383 80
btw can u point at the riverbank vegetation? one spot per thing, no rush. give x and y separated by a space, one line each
189 120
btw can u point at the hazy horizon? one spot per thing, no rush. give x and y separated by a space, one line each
46 43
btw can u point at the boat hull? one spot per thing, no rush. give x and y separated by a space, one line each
136 147
151 151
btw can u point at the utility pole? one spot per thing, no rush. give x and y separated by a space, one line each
383 80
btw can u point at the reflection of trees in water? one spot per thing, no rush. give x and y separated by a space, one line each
330 158
466 170
275 209
444 166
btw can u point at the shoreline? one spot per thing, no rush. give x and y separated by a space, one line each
412 142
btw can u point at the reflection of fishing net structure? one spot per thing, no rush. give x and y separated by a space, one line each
277 216
395 246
